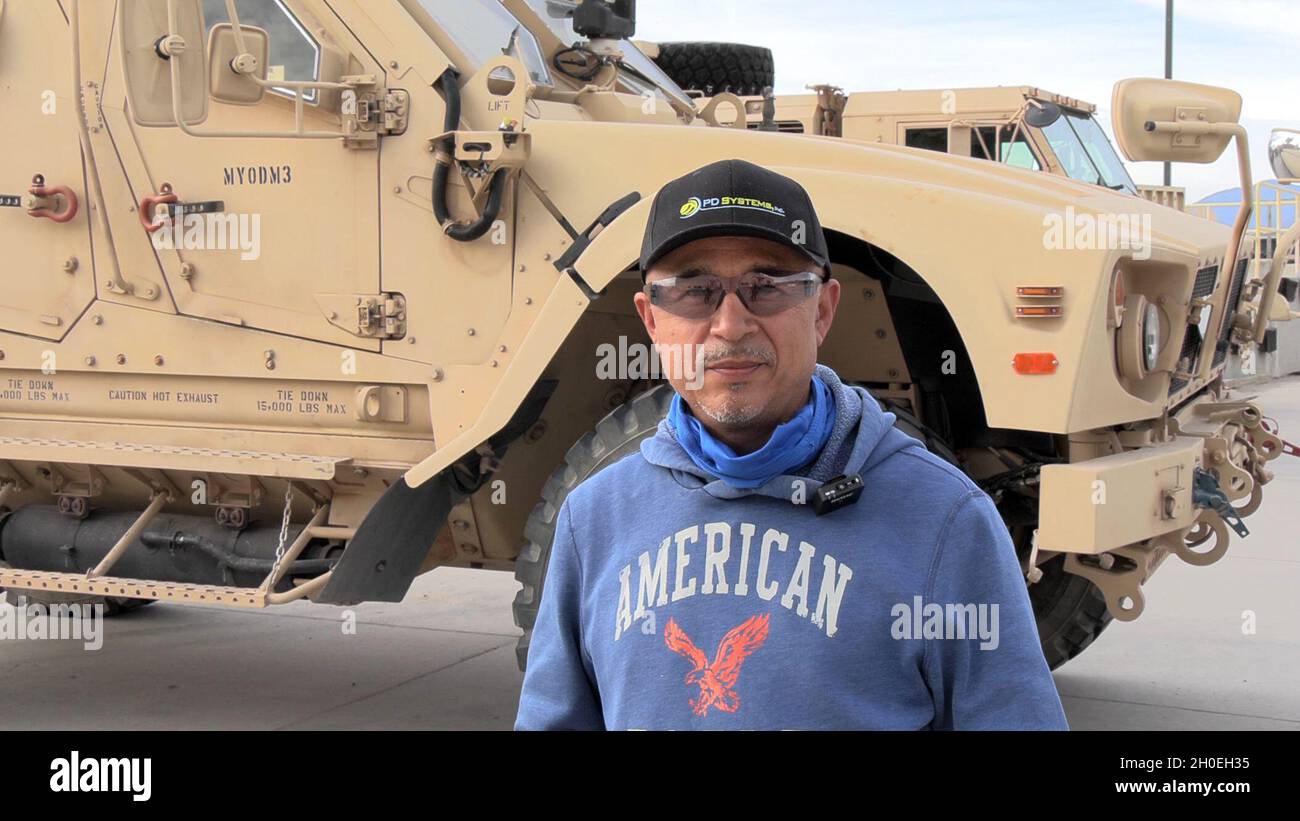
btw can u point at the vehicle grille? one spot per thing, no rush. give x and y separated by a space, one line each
1205 281
1187 357
1192 341
1230 308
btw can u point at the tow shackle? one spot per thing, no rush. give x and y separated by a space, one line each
148 204
41 201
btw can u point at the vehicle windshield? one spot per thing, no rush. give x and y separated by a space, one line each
1085 153
1102 152
655 81
484 29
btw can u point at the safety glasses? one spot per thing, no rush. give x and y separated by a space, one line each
697 296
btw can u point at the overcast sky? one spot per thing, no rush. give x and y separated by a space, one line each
1073 48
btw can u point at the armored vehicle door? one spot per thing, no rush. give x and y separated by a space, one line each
46 275
274 224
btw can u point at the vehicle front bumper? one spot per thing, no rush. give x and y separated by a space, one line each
1117 517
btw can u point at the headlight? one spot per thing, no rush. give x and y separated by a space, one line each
1150 337
1139 338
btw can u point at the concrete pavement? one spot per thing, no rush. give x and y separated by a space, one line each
444 658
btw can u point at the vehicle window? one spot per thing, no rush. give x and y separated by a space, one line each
1074 158
931 139
484 29
1102 153
655 81
1085 152
294 54
936 139
1018 152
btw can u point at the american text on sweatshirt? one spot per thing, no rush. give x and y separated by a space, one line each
717 559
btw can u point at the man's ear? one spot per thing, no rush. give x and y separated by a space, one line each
642 302
828 299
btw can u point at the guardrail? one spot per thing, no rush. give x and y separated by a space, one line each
1277 205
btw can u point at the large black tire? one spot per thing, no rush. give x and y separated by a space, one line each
712 68
1070 611
615 436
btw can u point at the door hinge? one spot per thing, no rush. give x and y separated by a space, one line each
382 316
369 115
373 316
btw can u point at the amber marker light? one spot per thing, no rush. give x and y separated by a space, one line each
1119 293
1028 364
1038 310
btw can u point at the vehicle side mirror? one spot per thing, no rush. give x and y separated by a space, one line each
1172 120
1284 153
153 54
224 54
1041 115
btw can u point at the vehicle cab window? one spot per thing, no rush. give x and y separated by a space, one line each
640 74
484 29
295 56
1085 153
1017 152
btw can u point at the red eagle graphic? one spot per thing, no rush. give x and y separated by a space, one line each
717 679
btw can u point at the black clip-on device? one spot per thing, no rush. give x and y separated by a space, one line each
839 492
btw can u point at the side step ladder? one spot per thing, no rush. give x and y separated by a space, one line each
52 582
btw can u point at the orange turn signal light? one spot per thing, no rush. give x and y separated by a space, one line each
1038 310
1035 363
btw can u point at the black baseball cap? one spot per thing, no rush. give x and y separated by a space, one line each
733 198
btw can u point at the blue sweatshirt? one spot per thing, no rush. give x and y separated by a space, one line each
675 601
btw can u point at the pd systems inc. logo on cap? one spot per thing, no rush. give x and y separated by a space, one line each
695 205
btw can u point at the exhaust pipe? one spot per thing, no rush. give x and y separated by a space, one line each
173 548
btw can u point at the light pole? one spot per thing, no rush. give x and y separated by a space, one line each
1169 66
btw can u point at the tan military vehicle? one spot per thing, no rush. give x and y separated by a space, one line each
1021 126
306 297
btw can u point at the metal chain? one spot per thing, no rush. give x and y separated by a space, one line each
284 527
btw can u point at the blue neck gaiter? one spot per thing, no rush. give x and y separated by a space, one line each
793 444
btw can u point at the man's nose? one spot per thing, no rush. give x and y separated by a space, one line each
732 320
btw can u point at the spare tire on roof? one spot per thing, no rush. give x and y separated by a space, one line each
712 68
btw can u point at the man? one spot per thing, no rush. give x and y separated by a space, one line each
724 577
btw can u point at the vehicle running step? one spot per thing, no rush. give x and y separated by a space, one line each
53 582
